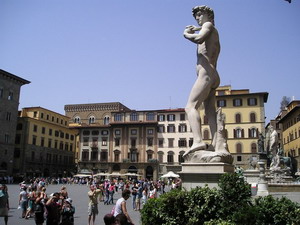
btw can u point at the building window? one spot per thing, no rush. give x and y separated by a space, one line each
150 131
117 132
238 148
62 134
134 116
118 117
239 158
253 133
94 155
117 156
35 128
182 116
117 142
150 116
161 129
221 103
238 118
43 130
95 132
253 148
49 143
171 128
252 118
91 120
104 132
104 141
50 131
182 142
170 142
133 131
149 155
133 142
8 116
237 102
34 140
171 117
133 156
42 115
161 143
238 133
86 132
10 96
150 142
206 134
85 141
1 92
182 128
85 155
252 101
161 117
106 120
56 133
170 157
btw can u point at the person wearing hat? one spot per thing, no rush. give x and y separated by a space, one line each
4 204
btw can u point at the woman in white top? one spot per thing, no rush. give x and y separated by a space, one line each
121 205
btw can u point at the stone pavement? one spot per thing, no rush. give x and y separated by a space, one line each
78 193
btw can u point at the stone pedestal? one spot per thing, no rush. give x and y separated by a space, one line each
200 174
262 187
251 176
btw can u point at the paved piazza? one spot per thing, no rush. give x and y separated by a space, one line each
78 193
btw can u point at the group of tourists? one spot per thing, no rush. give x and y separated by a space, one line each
56 209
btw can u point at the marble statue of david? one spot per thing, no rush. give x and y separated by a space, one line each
204 89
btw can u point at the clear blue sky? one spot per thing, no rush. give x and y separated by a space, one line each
133 51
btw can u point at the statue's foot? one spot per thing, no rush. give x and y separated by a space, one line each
195 147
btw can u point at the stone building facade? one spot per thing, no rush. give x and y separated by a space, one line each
10 86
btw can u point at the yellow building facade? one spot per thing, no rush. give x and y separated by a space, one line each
244 119
291 132
45 145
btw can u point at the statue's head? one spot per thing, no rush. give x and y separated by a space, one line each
204 10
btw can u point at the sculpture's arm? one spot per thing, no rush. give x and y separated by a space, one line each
199 38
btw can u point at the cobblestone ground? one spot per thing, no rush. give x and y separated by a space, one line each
78 193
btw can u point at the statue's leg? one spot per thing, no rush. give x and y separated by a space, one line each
210 112
198 95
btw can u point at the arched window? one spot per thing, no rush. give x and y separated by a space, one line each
170 157
77 119
238 133
253 148
238 148
252 117
91 120
106 120
253 133
238 118
206 134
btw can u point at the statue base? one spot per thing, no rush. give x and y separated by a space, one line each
200 174
251 176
